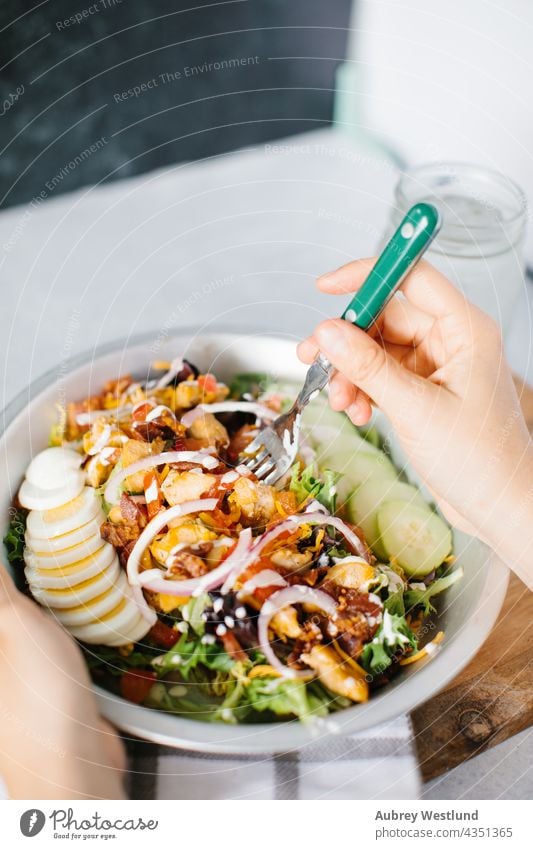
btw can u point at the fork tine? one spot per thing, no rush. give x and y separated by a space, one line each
266 467
254 446
256 461
272 477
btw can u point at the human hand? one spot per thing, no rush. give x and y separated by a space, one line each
434 364
53 744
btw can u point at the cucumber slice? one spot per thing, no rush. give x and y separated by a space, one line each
363 505
416 538
357 469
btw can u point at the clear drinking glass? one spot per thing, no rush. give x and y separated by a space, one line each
480 245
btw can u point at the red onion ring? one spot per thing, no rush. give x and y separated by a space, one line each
259 410
314 518
154 580
154 526
112 490
144 608
297 594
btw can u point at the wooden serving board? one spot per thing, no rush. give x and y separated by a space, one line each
492 698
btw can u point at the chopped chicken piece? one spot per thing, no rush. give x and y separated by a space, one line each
187 533
209 430
291 558
337 677
97 471
114 436
189 393
351 573
256 501
186 486
285 623
132 451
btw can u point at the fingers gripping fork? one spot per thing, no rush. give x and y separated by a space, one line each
273 451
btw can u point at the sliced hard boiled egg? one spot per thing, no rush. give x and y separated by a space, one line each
52 467
69 576
111 628
45 524
91 610
138 630
60 543
64 597
34 498
66 557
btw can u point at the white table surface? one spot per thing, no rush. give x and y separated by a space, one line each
235 240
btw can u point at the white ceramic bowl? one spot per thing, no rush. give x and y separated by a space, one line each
467 616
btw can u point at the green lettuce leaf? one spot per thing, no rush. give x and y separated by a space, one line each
192 612
422 598
279 696
393 635
395 603
305 484
252 383
190 652
14 538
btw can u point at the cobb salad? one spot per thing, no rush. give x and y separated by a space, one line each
195 588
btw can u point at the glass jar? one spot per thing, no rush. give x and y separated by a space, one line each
480 245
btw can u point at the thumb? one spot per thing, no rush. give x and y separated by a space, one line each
8 591
366 364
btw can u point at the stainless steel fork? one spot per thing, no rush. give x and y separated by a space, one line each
273 451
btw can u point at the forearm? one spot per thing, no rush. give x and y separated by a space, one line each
509 529
53 757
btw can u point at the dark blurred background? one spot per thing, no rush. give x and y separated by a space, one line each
151 83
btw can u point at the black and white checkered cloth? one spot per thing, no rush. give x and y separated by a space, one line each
376 764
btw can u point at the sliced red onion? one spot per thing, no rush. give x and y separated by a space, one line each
154 526
315 506
154 580
288 524
258 410
112 490
144 608
298 594
264 578
314 518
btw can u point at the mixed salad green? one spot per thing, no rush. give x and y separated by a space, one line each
204 656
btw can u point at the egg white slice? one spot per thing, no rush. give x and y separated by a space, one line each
111 628
46 524
138 630
34 498
94 608
60 543
65 597
50 468
75 573
66 557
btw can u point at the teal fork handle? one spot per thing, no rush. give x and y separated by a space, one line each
412 238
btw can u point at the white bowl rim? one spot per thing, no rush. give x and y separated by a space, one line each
268 738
